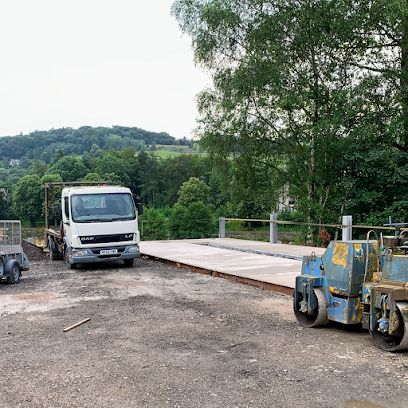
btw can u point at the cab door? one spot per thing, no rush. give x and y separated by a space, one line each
66 219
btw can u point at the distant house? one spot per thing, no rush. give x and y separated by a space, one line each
286 203
14 162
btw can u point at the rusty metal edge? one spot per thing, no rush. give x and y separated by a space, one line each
232 278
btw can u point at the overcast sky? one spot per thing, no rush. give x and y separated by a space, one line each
69 63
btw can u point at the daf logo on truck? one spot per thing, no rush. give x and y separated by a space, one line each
99 224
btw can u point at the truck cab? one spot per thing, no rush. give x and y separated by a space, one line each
99 223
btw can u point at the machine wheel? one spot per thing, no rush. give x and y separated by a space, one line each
129 262
397 342
319 315
13 271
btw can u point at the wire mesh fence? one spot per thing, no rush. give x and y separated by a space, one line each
10 237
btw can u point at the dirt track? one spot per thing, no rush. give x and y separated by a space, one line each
161 336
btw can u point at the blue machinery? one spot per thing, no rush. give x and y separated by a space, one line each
358 282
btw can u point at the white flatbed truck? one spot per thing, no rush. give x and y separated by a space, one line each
12 257
98 224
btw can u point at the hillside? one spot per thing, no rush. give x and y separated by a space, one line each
46 145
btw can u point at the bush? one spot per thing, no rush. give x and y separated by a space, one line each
154 225
194 221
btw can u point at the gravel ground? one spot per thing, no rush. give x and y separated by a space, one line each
165 337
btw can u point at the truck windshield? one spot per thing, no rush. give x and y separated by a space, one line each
102 207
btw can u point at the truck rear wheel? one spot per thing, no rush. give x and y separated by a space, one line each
13 270
53 251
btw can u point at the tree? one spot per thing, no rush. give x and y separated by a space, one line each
70 168
54 197
93 177
148 177
297 84
179 222
154 224
38 167
28 198
115 167
193 190
200 221
4 204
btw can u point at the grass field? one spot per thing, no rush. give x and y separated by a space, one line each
166 151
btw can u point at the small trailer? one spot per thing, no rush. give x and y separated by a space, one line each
12 257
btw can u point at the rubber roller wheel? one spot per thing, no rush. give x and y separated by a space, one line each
318 317
399 341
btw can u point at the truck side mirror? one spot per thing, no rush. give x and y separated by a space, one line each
139 204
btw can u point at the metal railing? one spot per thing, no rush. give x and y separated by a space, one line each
346 226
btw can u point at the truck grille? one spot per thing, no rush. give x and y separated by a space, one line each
98 252
105 239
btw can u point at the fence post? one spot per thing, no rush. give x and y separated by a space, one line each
273 229
347 230
221 227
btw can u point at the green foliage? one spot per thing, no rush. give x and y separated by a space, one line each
70 168
194 221
154 224
179 222
28 198
193 190
201 223
5 204
38 167
51 145
112 169
309 99
93 177
54 197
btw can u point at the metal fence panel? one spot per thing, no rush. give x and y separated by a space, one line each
10 237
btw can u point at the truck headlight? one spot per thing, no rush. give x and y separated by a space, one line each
79 252
133 249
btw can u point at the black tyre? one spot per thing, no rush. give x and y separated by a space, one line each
129 262
71 265
1 268
54 254
13 271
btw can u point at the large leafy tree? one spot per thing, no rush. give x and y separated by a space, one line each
28 198
70 168
302 86
192 191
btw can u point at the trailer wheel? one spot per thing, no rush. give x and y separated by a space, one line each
13 270
1 268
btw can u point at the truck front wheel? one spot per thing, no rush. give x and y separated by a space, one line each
129 262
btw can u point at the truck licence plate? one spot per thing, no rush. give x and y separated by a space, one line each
108 251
